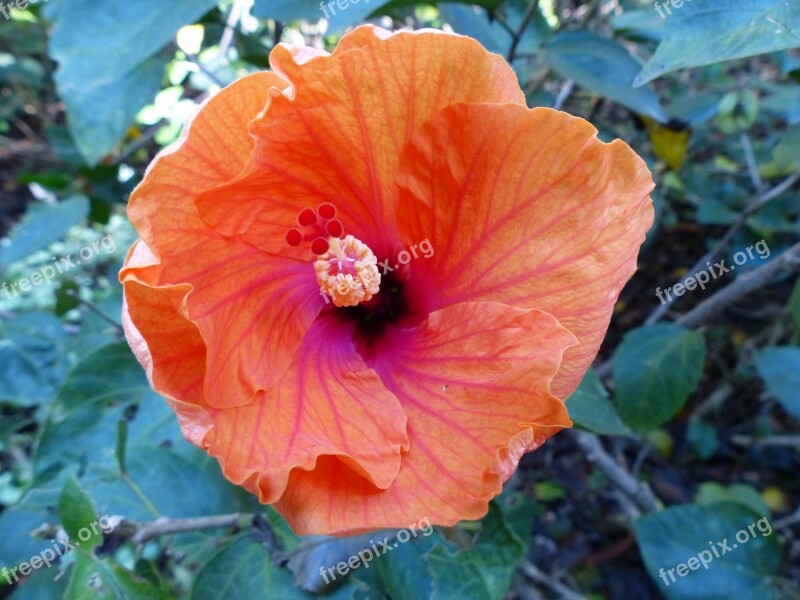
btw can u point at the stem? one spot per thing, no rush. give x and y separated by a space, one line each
754 206
536 575
746 284
139 533
517 37
638 491
750 159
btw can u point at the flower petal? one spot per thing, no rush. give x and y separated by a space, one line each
251 309
529 208
328 403
337 134
168 346
474 381
213 149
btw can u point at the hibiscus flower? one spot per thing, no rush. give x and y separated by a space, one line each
368 280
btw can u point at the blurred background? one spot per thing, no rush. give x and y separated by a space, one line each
687 429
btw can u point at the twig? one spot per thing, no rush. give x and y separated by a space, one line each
716 399
754 206
536 575
744 285
96 310
230 28
504 24
140 142
139 533
517 37
788 521
750 159
789 441
563 94
205 71
635 489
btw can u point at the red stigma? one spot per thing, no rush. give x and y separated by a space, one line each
294 237
319 246
335 228
327 210
306 217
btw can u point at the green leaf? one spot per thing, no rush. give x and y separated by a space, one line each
484 571
244 570
17 524
786 153
315 551
474 22
122 442
794 303
108 64
655 370
640 24
712 492
477 22
42 225
405 573
67 296
590 408
703 32
681 534
78 514
780 369
338 18
40 585
94 579
32 358
159 481
165 475
784 102
604 67
82 427
703 437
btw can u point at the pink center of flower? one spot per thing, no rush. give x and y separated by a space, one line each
348 271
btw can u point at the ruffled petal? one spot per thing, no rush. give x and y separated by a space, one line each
168 346
336 135
251 309
474 381
329 403
529 208
213 149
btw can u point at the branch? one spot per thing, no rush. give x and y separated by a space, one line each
139 533
639 492
750 159
787 262
754 206
536 575
517 38
786 522
786 441
563 94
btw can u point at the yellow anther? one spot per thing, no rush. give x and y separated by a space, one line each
348 272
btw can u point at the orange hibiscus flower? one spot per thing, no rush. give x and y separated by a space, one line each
367 280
